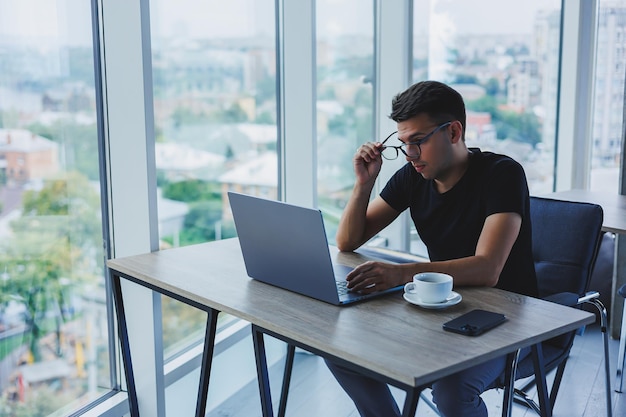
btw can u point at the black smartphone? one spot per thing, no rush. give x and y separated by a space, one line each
474 322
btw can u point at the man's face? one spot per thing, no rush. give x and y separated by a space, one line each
427 145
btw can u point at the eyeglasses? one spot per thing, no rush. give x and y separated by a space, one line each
390 152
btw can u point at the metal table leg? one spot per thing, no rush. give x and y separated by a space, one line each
262 372
410 402
282 407
125 345
540 379
207 360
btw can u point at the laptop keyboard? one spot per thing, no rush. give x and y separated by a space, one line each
342 287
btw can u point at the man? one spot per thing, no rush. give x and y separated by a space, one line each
470 208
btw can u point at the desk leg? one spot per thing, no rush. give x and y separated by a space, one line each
284 392
540 380
207 360
410 402
262 372
125 345
509 379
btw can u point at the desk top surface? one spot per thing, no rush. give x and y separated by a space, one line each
386 335
613 205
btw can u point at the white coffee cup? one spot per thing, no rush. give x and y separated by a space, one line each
430 287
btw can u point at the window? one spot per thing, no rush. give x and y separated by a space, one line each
345 101
506 69
54 337
608 107
214 87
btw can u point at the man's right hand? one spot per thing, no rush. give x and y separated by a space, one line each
367 162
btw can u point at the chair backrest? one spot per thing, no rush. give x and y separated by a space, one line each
566 238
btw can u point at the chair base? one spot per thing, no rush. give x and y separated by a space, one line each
520 397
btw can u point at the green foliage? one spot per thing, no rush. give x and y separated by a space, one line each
191 191
523 127
184 116
492 87
51 250
234 114
80 140
205 210
178 319
488 104
9 344
465 79
520 127
41 402
200 222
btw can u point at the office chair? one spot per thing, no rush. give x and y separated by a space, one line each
622 346
566 238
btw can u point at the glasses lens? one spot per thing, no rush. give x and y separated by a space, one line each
390 153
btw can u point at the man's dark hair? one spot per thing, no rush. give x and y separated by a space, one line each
439 101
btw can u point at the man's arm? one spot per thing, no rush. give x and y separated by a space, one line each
496 240
361 220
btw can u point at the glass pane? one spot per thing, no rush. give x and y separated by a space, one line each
54 347
608 112
345 69
504 62
214 75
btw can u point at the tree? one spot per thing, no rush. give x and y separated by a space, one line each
522 127
185 116
50 251
201 219
79 141
492 87
191 190
465 79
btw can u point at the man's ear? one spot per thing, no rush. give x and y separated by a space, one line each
456 131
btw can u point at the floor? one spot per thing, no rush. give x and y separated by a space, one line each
315 393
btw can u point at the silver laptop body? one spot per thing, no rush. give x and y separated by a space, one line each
286 246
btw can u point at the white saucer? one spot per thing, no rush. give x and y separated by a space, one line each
453 299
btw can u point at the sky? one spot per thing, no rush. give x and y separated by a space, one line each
69 21
473 16
493 16
66 22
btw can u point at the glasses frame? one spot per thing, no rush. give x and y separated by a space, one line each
417 143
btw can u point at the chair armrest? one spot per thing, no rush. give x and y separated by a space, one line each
569 299
591 296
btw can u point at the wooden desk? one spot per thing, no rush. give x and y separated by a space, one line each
614 207
386 337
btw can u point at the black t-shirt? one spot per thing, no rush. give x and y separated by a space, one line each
450 224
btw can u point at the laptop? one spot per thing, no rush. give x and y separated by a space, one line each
285 245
